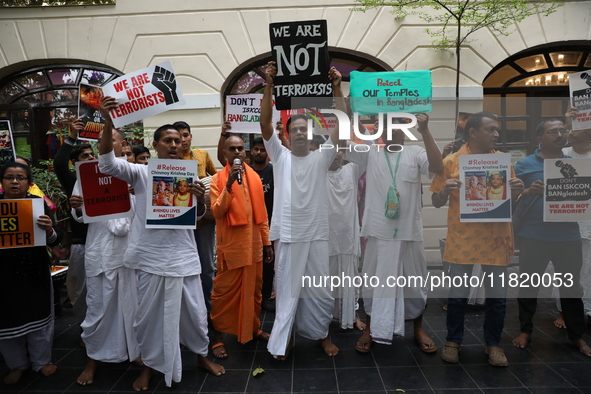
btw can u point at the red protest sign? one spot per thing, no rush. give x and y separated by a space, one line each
105 197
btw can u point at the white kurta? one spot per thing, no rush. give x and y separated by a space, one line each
111 298
397 242
300 229
171 306
344 244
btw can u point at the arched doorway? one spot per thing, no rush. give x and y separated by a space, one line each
249 77
532 86
41 101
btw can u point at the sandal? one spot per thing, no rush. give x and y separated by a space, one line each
222 352
496 356
426 345
362 343
450 352
262 336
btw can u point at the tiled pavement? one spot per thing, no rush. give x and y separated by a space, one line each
549 365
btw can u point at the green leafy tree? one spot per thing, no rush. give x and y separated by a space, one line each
454 21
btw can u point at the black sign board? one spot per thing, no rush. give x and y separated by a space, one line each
300 51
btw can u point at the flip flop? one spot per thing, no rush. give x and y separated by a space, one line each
426 345
222 353
363 341
262 336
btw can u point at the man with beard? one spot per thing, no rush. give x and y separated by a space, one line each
541 242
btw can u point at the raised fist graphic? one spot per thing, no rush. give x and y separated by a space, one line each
165 81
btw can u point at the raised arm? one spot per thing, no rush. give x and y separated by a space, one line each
336 78
433 153
106 144
266 119
222 141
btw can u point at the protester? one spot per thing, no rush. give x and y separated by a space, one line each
489 244
395 245
107 330
541 242
162 279
205 232
142 154
76 279
299 228
265 170
25 286
238 204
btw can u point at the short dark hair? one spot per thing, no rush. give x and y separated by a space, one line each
294 118
121 133
542 125
77 150
181 125
139 149
258 141
161 129
14 164
475 121
25 160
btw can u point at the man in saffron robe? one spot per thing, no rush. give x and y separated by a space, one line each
242 231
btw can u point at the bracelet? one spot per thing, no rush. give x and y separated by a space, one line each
225 135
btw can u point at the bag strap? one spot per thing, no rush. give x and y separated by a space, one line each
390 166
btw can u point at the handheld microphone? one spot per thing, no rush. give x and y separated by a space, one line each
239 176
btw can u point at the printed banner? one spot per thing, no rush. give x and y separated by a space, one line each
568 190
105 197
243 112
391 91
89 104
485 195
170 205
144 93
580 93
300 51
7 150
18 223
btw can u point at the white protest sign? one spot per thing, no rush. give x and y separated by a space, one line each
567 190
169 203
485 195
144 93
243 112
580 93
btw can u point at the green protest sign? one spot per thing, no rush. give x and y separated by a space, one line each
391 91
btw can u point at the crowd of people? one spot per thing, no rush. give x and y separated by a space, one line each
294 213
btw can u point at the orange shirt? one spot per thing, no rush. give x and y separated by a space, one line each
471 243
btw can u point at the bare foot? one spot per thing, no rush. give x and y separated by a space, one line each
329 348
139 362
87 376
14 376
48 369
287 350
143 381
582 346
521 340
360 325
559 322
211 367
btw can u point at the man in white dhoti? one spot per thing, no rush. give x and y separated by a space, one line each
171 307
395 246
299 228
111 294
344 244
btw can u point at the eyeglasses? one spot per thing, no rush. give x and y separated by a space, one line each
556 131
11 178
